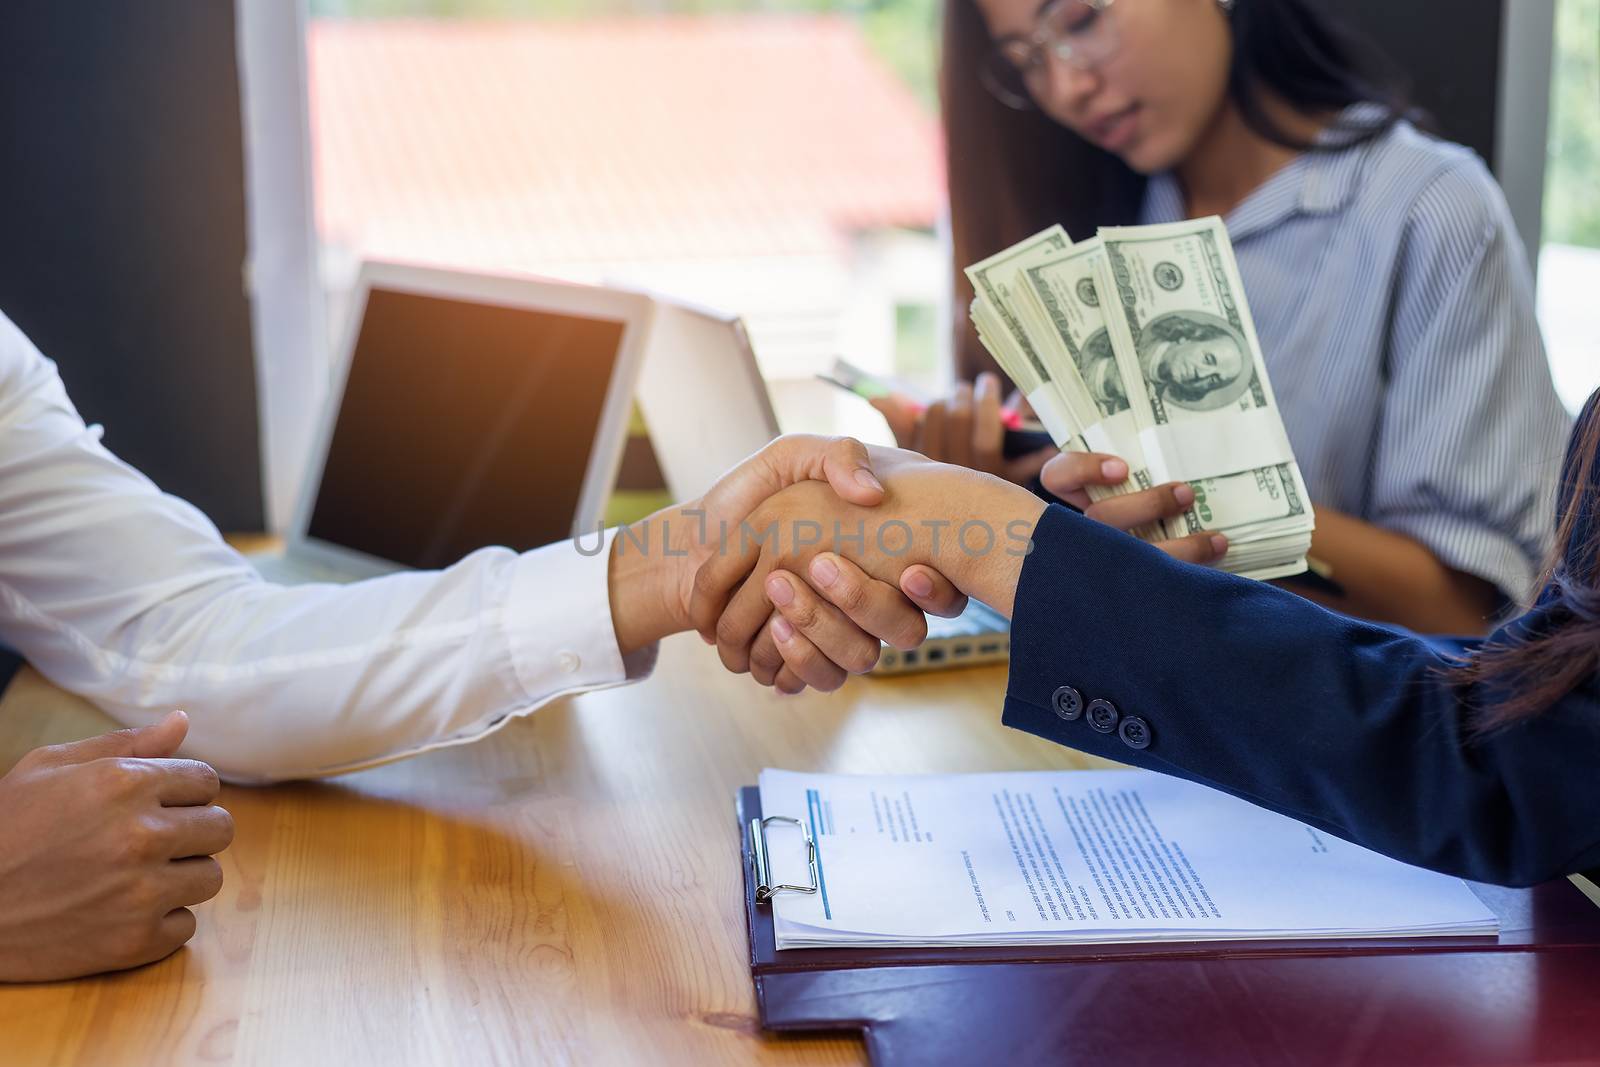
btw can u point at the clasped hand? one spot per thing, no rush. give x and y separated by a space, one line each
817 550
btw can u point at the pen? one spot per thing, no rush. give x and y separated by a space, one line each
1010 418
869 387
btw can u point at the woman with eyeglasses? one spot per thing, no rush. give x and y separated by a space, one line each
1388 284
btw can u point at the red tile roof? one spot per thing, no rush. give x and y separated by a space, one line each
619 139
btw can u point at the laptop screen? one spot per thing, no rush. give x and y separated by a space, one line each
462 425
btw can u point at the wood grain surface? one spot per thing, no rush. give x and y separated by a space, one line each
565 891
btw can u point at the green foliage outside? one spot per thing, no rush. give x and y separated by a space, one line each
1572 189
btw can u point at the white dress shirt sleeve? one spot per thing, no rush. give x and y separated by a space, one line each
129 597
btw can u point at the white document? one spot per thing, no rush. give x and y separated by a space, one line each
1063 857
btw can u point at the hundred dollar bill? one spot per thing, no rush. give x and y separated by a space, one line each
1064 431
1062 311
996 299
991 331
1188 352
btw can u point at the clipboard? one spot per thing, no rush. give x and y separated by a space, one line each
1530 996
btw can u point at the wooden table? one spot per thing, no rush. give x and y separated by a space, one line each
566 891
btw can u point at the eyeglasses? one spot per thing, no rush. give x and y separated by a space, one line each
1081 33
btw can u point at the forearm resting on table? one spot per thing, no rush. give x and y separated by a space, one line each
1388 577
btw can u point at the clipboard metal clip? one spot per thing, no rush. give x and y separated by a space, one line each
758 857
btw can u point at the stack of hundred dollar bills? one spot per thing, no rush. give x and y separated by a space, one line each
1139 343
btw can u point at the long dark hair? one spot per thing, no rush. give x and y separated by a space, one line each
1013 173
1516 680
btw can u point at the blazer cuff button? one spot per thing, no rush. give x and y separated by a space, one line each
1103 716
1135 732
1068 703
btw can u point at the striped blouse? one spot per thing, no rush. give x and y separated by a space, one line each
1396 309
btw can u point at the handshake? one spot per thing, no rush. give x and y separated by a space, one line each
799 563
803 560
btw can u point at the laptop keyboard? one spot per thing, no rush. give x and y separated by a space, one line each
978 635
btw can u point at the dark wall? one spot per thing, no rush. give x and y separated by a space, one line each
122 232
1451 54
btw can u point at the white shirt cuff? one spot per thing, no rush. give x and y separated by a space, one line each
558 621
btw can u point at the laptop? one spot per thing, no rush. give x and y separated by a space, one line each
449 381
701 394
699 361
468 409
978 635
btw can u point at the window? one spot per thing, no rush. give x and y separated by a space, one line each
780 160
1569 263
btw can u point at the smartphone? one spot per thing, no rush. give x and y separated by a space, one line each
1022 435
869 386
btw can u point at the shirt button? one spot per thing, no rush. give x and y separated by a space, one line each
1135 732
568 662
1068 702
1103 716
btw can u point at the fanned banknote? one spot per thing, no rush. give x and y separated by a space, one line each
1140 343
1060 307
994 313
1187 346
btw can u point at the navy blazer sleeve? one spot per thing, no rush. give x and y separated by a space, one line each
1120 651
